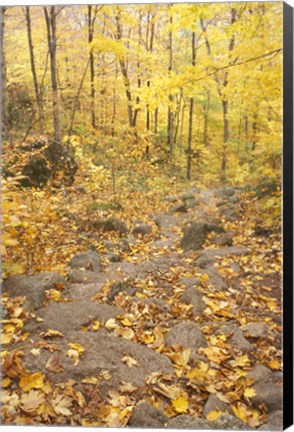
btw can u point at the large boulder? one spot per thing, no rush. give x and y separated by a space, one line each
188 422
194 236
270 394
146 415
33 287
111 224
187 334
163 220
213 403
103 357
210 256
192 296
52 158
274 422
142 228
68 316
89 261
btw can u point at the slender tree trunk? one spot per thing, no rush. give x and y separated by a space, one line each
182 128
191 108
91 21
225 105
50 18
33 69
149 45
114 102
170 115
156 120
206 115
254 131
124 71
3 93
246 130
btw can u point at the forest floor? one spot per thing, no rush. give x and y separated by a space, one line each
149 324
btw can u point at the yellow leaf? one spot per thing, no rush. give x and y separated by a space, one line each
148 338
61 404
77 347
51 334
90 380
6 338
111 324
95 325
35 381
130 361
214 415
5 382
180 405
249 392
274 364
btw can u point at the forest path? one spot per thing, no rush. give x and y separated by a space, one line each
182 332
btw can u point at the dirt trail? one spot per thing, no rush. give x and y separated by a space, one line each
180 333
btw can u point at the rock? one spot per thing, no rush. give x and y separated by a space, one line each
146 415
188 422
53 158
103 352
189 194
216 227
178 208
235 336
111 224
270 394
118 287
194 297
213 403
89 261
81 189
229 213
274 422
83 276
163 220
260 373
227 422
191 203
124 246
33 287
215 279
256 330
109 245
225 239
69 316
113 257
142 228
226 191
80 291
186 334
209 257
194 236
170 199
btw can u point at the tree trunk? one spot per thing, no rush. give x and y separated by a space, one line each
33 69
206 112
156 120
50 18
91 21
190 132
170 115
225 105
3 93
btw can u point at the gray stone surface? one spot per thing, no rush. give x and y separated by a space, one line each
274 422
186 334
213 403
89 261
33 287
68 316
194 236
142 229
270 394
194 297
146 415
102 353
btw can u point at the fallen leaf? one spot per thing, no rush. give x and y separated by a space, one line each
129 361
61 405
34 381
53 365
214 415
31 401
180 404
